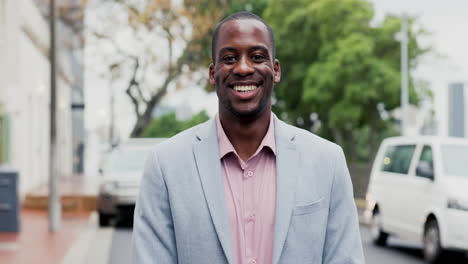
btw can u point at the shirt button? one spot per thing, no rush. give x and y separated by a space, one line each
249 174
251 218
253 261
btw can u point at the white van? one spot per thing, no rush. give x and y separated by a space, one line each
418 191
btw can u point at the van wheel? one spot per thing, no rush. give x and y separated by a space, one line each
379 237
432 250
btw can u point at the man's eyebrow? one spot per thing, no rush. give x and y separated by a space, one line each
226 49
260 47
256 47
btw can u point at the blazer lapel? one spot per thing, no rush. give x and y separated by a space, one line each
207 158
287 167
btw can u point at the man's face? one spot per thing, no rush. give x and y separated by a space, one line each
244 69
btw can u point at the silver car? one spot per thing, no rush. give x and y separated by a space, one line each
121 173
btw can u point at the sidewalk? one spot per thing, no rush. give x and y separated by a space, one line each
35 244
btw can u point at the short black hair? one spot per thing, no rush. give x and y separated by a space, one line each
243 15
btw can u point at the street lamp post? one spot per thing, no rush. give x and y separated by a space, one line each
54 199
404 75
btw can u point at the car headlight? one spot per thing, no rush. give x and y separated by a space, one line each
108 187
457 204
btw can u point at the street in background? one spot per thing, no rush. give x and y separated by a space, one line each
121 173
417 192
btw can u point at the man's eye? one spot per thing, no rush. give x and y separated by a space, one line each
258 57
229 59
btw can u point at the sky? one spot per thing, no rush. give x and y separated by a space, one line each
446 20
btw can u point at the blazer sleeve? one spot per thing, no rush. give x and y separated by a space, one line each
153 238
343 239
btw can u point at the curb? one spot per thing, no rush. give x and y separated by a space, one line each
361 207
360 203
70 203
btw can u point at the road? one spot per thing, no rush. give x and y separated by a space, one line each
112 245
395 252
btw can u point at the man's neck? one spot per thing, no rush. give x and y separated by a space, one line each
245 136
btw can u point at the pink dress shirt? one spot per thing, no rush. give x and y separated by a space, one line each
250 192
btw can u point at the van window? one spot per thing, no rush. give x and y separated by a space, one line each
426 164
397 159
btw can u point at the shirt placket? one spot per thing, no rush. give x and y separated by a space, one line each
249 212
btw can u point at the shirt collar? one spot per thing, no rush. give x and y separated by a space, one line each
226 147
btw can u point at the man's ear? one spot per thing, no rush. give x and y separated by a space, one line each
211 74
277 69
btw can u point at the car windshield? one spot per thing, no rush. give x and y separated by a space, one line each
455 160
126 160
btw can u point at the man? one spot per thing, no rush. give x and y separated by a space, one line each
245 187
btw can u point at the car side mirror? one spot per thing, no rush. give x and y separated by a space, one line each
425 169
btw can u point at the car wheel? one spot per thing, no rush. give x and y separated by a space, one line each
104 219
432 250
379 237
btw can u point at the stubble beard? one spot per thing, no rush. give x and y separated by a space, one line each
246 115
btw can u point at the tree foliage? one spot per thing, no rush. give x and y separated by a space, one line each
168 125
340 66
152 46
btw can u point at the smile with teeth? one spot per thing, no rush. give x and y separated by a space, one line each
244 88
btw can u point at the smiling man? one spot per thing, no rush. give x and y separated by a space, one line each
245 187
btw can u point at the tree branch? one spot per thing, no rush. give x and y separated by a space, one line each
131 84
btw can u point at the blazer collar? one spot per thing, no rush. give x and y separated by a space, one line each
207 157
206 152
287 170
283 131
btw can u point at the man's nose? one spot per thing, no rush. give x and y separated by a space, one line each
243 67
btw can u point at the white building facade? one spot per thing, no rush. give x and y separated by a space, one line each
25 96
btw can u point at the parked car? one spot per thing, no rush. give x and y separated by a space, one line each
121 174
418 191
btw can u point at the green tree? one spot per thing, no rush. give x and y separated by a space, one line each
168 125
339 65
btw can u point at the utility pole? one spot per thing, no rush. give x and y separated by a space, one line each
114 73
54 198
404 75
112 117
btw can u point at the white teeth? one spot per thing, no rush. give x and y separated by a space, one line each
244 88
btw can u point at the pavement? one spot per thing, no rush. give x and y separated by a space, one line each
92 246
35 244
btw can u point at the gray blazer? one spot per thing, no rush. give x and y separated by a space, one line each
181 215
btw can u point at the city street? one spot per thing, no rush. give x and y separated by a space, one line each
112 245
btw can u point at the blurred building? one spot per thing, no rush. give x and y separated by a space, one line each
25 89
456 110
